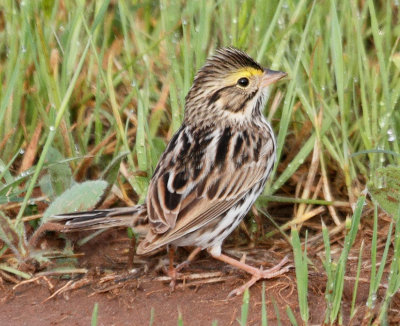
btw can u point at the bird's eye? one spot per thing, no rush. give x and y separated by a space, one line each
243 82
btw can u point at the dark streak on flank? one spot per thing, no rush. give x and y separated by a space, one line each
223 146
238 145
246 137
257 149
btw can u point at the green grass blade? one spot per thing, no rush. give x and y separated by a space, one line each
264 317
50 137
245 308
94 314
300 263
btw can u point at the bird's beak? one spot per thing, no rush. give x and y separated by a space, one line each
271 76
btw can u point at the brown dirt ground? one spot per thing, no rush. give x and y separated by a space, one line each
129 295
128 298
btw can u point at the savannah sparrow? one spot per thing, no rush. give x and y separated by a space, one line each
212 170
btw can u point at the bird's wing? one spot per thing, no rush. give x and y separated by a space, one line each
200 176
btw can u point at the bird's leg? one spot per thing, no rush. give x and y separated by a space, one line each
173 272
188 260
131 252
256 273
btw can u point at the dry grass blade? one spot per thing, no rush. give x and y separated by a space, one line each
69 286
328 194
305 217
63 271
35 280
32 149
310 179
32 217
211 280
191 276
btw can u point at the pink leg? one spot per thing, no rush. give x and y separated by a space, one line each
173 271
190 258
257 274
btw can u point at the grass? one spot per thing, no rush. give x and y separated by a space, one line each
84 82
95 315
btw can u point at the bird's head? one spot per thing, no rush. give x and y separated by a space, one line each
230 87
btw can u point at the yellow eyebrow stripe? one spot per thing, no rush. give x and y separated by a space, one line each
245 72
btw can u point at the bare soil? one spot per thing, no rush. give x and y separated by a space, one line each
135 296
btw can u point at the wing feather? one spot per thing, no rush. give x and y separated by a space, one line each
203 197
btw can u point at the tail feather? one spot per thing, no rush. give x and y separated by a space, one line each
134 217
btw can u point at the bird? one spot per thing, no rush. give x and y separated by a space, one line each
212 170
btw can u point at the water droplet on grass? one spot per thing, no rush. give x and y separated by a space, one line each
23 174
281 23
391 135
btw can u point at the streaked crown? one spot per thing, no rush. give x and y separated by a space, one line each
231 88
227 61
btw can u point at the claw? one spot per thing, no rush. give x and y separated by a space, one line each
173 272
263 274
257 274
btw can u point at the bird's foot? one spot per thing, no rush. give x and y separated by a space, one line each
259 274
173 272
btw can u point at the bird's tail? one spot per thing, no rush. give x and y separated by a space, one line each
134 217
